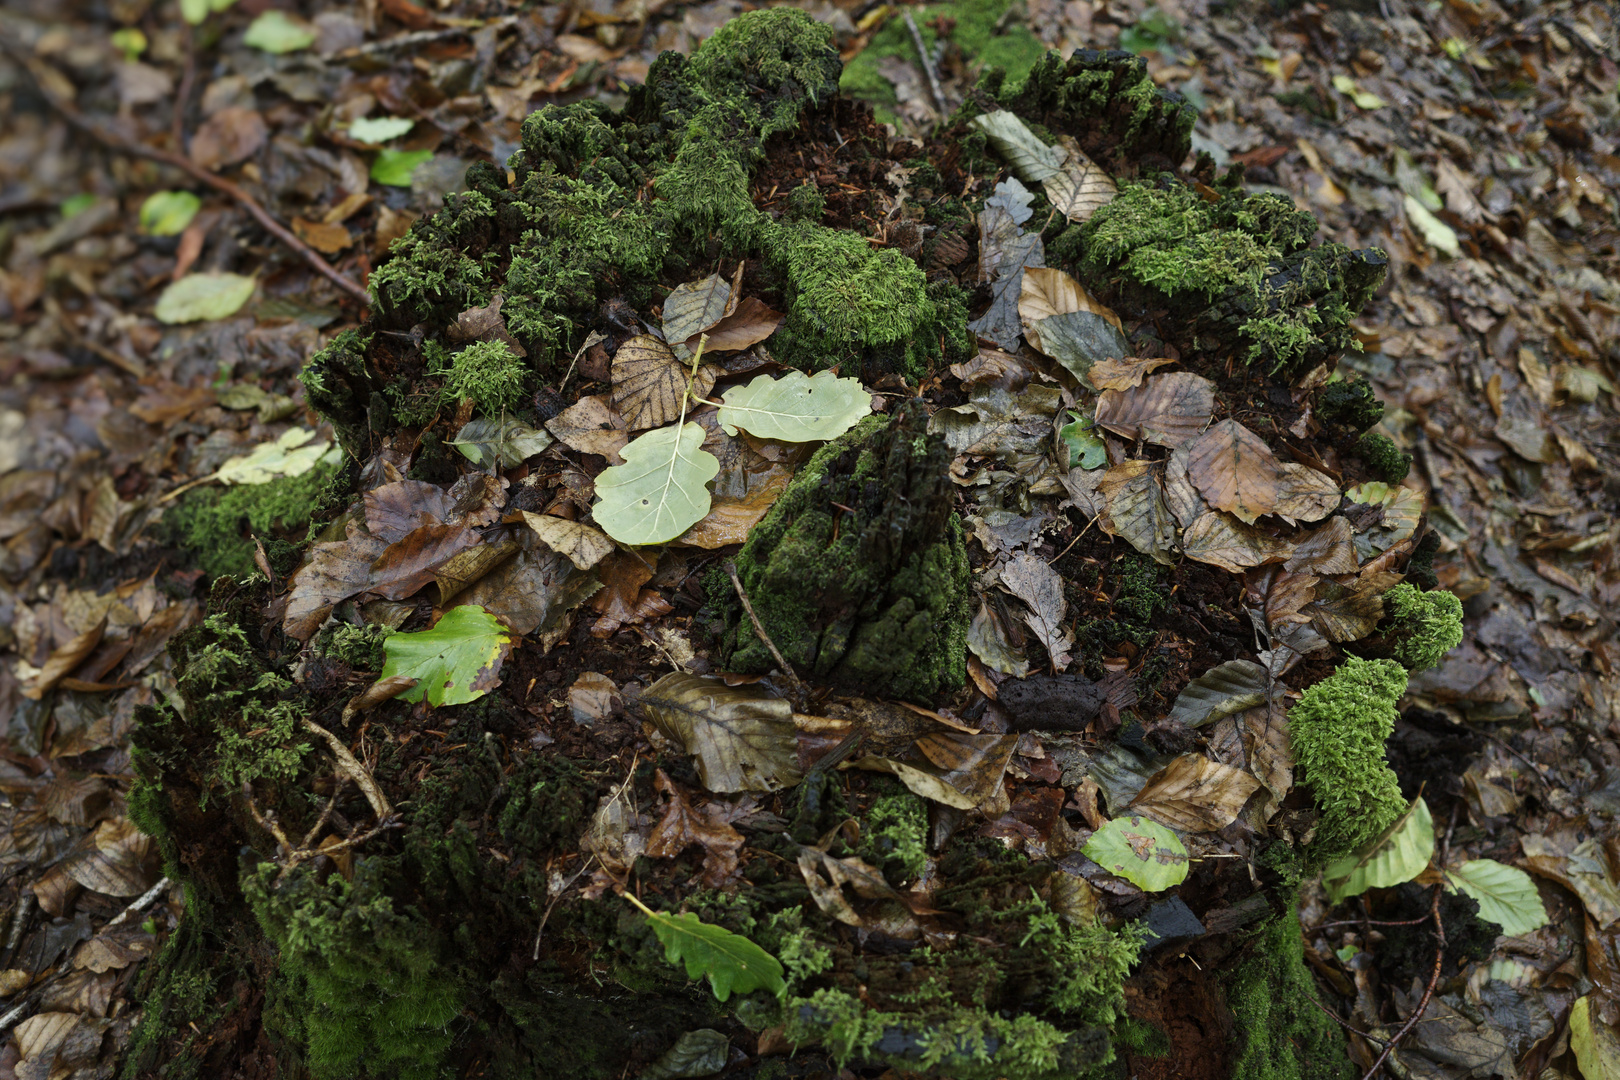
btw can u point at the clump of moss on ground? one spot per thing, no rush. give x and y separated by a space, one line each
1338 728
218 524
1386 460
896 836
1280 1034
1427 625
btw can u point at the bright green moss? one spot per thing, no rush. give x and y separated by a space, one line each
806 203
897 833
1280 1035
361 647
1427 625
218 524
1338 729
256 723
487 372
442 267
1383 457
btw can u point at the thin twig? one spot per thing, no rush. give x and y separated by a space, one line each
141 903
927 66
1342 1023
1428 991
179 161
554 901
792 676
357 772
417 37
1373 922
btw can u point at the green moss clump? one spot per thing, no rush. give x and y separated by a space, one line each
487 372
1338 729
1387 461
1238 264
1427 625
218 524
366 985
1351 404
897 835
1280 1034
873 596
806 203
360 647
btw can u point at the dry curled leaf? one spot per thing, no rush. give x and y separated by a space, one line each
1136 509
1268 750
1166 409
584 546
682 826
1080 187
1234 470
1222 540
1195 794
591 426
1124 374
750 324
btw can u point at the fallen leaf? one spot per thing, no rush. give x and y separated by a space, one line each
504 441
1077 340
1179 494
591 426
167 213
796 407
1166 409
649 383
1327 549
1123 374
1350 613
1195 794
229 137
1030 159
408 564
1234 470
681 826
1080 187
1506 895
693 306
750 324
1224 690
334 572
730 520
1596 1045
1435 232
583 545
117 862
397 168
972 774
63 660
659 492
1268 749
534 592
277 32
1222 540
1003 259
1579 863
325 238
294 453
1396 856
1141 851
1041 590
462 570
200 297
996 423
742 739
1046 292
987 638
1136 510
457 661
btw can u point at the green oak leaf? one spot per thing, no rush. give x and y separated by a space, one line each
1506 895
199 297
277 32
457 661
1400 854
658 493
1086 447
1141 851
395 167
796 407
380 129
167 213
730 961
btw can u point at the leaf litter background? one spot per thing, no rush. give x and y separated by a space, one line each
1473 142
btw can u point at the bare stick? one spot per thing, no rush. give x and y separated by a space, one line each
121 145
140 903
555 900
357 772
927 65
781 661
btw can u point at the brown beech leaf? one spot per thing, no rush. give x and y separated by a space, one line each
993 367
1041 590
1166 409
231 135
591 426
961 770
750 324
115 949
682 826
1349 613
64 659
534 592
693 306
483 324
327 239
1233 469
1286 594
1222 540
1268 749
1195 794
1123 374
1080 187
1179 494
1327 549
476 499
622 574
1305 494
463 569
393 510
649 383
1047 292
409 563
729 520
584 545
1136 510
742 739
335 572
117 862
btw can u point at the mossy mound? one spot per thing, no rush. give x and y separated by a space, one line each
1280 1035
219 524
859 573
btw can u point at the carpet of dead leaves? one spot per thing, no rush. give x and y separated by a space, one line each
1476 142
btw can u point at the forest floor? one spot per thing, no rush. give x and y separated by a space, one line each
1476 143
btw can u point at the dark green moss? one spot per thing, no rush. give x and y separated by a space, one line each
1280 1034
1386 460
1351 404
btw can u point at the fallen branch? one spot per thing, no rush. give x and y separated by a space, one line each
179 161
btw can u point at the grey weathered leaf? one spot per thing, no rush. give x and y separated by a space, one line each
743 740
693 306
1136 509
1041 590
1078 339
987 637
1223 690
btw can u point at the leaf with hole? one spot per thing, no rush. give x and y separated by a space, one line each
730 962
1399 855
796 407
1141 851
201 297
1087 450
457 661
1506 895
658 493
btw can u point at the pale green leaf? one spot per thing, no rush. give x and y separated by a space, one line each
379 129
130 41
395 167
457 661
1364 99
74 205
195 11
1087 450
1400 854
277 32
1030 159
167 213
293 454
1437 233
730 962
1596 1044
796 407
1506 895
504 441
199 297
658 493
1141 851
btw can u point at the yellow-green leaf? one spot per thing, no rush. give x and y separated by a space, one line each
1506 895
1141 851
379 129
199 297
457 661
658 493
395 167
1400 854
277 32
796 407
167 213
293 454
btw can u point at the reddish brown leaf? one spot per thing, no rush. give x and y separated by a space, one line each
410 562
393 510
64 660
591 426
335 572
1327 549
682 826
1233 469
1166 409
752 322
1195 794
